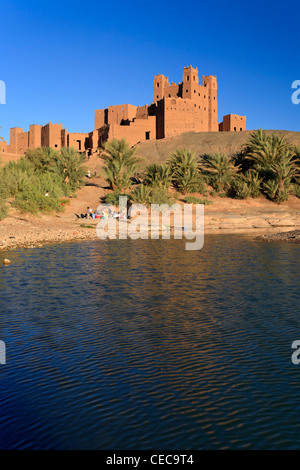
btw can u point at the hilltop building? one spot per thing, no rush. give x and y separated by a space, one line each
176 109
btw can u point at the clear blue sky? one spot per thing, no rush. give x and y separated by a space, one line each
61 60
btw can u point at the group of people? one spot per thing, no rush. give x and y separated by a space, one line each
105 214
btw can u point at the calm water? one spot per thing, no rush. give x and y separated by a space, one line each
143 345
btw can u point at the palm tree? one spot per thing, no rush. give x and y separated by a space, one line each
121 164
184 170
265 150
182 158
286 169
158 176
141 194
220 170
42 159
69 164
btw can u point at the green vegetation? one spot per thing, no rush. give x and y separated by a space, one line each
39 171
220 170
275 161
3 209
146 195
186 177
268 164
158 176
113 198
120 164
197 200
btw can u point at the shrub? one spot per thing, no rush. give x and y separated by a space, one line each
161 196
146 195
240 188
113 198
120 164
3 210
296 190
185 174
220 169
197 200
141 194
158 176
275 192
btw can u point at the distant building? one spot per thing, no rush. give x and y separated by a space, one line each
176 109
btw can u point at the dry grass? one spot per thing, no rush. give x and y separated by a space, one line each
201 143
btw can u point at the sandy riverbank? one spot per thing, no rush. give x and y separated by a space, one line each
251 216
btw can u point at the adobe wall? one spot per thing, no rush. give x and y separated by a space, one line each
35 136
176 109
6 157
3 146
114 115
233 123
137 131
78 140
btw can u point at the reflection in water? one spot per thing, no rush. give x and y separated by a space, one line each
141 344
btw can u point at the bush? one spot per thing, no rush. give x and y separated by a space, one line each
3 210
274 192
240 188
113 198
219 169
146 195
197 200
41 170
160 196
296 190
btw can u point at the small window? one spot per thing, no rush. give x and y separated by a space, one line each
187 77
169 95
55 145
198 94
199 107
195 105
241 129
187 91
194 78
235 128
204 109
204 96
157 85
194 91
157 96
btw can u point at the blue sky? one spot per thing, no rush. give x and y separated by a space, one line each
63 59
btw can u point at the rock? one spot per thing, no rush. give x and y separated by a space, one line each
6 262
